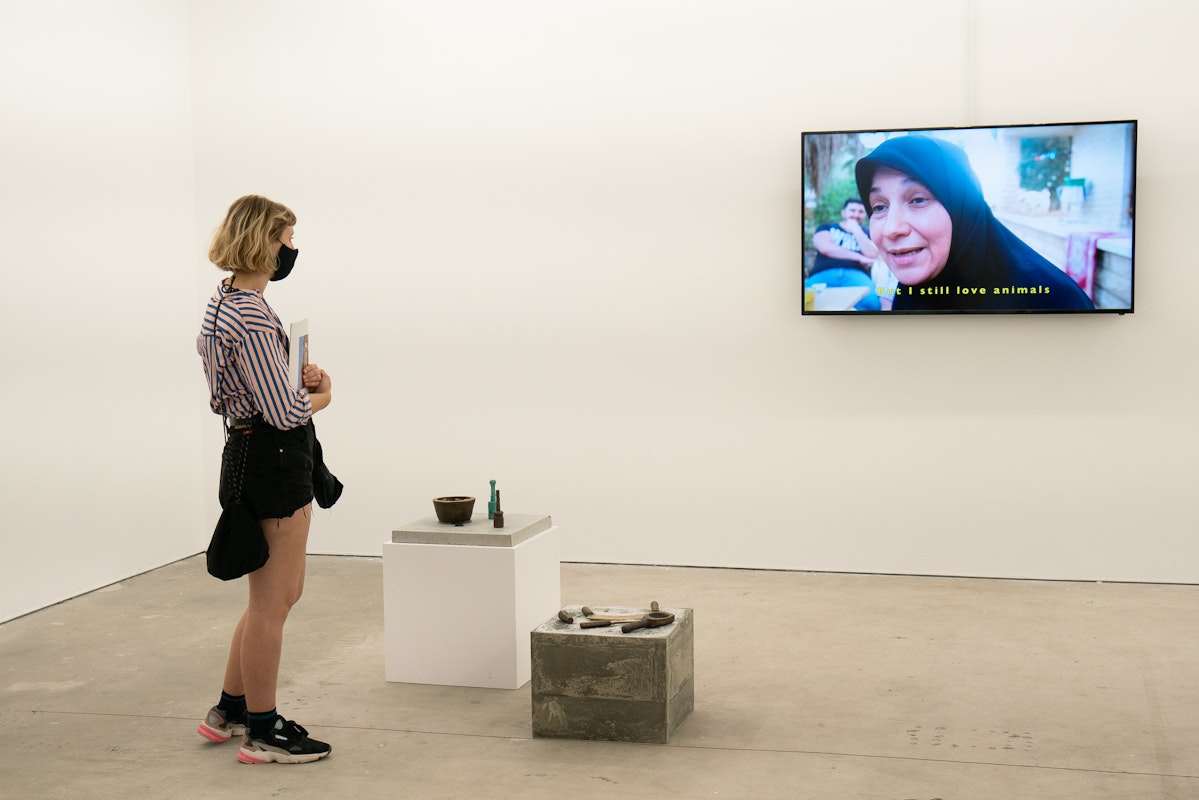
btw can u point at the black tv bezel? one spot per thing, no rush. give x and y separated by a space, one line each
976 311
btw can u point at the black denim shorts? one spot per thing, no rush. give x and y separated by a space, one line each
268 468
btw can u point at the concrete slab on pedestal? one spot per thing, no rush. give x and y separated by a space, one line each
476 533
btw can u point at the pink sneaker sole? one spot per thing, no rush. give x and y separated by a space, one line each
266 757
213 735
213 729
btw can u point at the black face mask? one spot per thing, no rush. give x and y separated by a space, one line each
284 262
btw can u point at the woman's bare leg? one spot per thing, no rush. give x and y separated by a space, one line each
253 666
233 685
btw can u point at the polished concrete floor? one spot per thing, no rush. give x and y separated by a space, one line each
807 686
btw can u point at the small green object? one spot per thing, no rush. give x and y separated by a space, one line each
491 502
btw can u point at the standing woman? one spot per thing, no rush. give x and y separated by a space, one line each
266 468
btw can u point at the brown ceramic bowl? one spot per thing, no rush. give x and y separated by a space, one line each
454 510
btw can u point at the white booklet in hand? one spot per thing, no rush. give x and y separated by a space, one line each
297 354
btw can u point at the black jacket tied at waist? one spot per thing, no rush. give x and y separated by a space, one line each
238 546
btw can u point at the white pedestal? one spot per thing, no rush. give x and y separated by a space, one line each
459 603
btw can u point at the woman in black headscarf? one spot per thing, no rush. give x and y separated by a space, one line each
935 231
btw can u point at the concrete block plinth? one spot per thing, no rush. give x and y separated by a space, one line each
599 683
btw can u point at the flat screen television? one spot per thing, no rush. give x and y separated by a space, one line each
1008 219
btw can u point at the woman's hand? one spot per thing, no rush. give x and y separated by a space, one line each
319 386
317 380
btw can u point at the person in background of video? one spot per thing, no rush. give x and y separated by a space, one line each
936 233
844 254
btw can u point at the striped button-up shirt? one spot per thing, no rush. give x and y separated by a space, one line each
244 350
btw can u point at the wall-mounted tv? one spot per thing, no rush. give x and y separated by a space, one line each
977 220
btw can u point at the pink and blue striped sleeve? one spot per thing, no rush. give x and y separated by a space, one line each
262 363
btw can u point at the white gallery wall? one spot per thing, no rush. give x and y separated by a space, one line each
557 244
102 452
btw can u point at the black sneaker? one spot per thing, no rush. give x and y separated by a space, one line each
286 743
218 728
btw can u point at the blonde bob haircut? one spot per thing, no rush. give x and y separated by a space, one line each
243 241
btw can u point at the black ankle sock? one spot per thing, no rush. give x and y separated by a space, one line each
232 705
261 723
